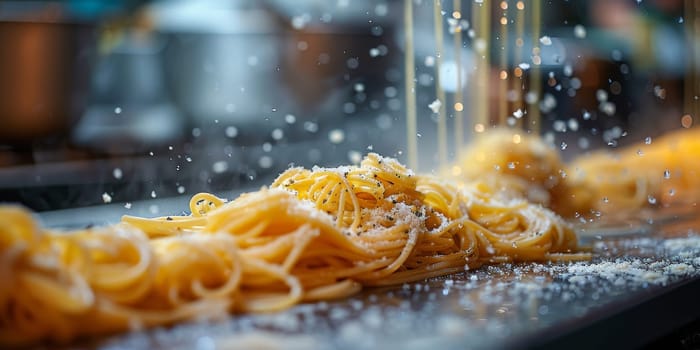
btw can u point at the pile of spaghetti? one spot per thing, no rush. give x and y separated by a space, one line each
662 171
312 235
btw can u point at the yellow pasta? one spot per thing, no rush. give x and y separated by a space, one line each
312 235
661 171
514 161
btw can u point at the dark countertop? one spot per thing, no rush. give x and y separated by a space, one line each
640 289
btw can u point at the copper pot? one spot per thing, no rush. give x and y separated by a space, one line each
43 70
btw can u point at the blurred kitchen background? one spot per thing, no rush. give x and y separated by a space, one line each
120 101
